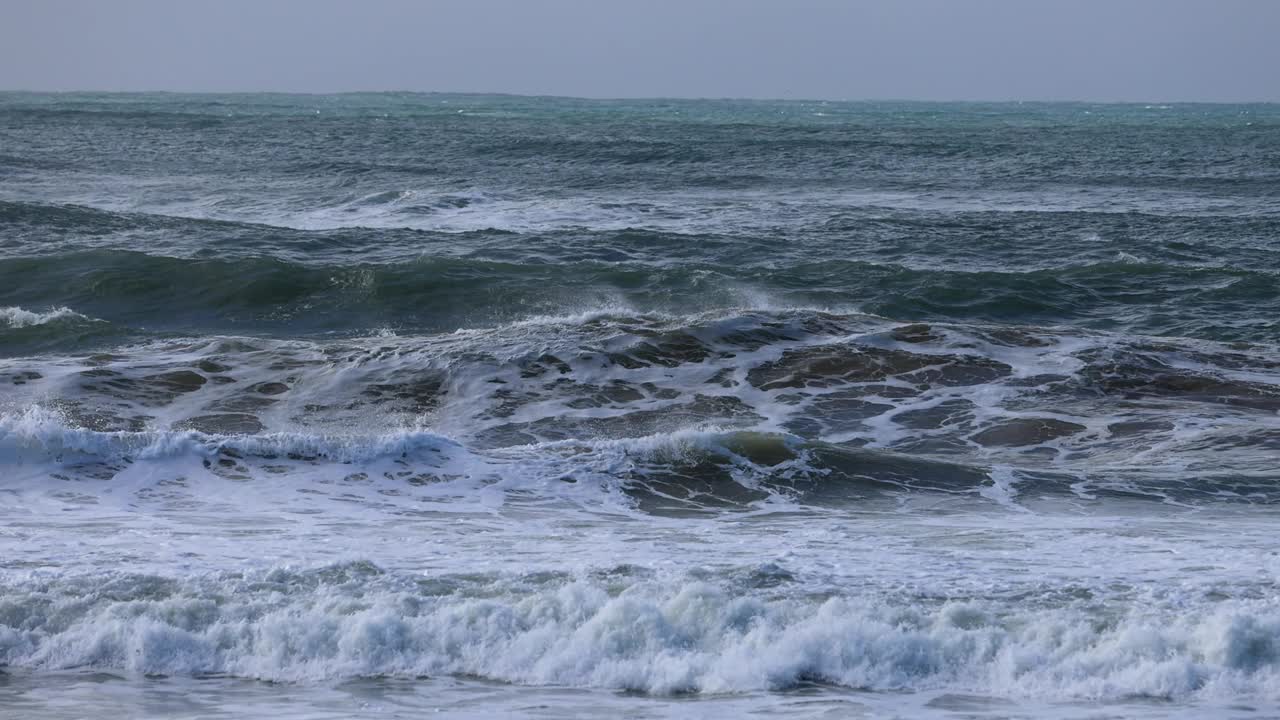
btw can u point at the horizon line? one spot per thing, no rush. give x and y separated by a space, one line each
640 98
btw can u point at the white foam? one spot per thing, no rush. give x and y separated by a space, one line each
1003 488
16 317
429 208
37 432
494 384
656 637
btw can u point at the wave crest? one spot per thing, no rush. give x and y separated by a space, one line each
357 620
40 432
16 317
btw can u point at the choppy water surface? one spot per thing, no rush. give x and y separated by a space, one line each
377 405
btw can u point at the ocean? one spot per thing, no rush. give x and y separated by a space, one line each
380 405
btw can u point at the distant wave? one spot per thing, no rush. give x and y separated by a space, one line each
445 293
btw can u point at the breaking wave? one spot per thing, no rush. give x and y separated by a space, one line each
16 317
635 633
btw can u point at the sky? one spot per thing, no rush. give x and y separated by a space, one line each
1100 50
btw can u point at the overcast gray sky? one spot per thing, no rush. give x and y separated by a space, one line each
1140 50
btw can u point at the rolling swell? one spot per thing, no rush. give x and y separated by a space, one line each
435 294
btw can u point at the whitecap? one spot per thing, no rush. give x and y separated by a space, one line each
16 317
